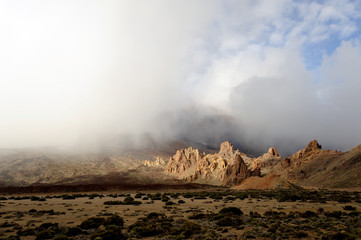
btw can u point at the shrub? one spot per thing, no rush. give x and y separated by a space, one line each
138 195
93 222
165 198
349 208
308 214
68 197
26 232
46 226
198 216
13 238
216 196
34 198
125 202
60 237
229 221
181 201
113 203
300 234
114 220
189 228
231 210
144 229
73 231
111 232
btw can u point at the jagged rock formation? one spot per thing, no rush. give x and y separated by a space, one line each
223 168
159 162
311 151
311 166
266 162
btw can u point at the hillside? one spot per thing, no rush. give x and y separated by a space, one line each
309 167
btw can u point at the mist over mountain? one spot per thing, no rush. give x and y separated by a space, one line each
97 76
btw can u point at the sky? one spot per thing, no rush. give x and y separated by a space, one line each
273 72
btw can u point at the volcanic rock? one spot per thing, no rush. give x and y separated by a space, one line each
266 162
159 162
223 168
273 152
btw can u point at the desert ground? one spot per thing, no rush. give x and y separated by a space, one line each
200 214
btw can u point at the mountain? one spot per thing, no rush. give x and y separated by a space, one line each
309 167
323 168
53 166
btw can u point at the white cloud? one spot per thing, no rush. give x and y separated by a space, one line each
89 68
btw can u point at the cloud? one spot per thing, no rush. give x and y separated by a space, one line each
78 69
85 71
266 83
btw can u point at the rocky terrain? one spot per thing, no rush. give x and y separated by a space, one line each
223 168
310 167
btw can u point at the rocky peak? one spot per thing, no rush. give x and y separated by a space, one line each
312 150
313 145
265 162
226 148
272 151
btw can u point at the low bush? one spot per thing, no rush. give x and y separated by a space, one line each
231 210
93 222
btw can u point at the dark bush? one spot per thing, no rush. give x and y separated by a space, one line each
93 222
73 231
229 221
186 230
127 201
334 214
68 197
111 232
216 196
254 214
46 226
60 237
44 235
114 220
13 238
198 216
144 229
165 198
340 236
231 210
300 234
26 232
113 203
155 217
34 198
308 214
138 195
349 208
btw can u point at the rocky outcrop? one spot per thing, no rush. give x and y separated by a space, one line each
312 150
266 162
223 168
159 162
273 152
